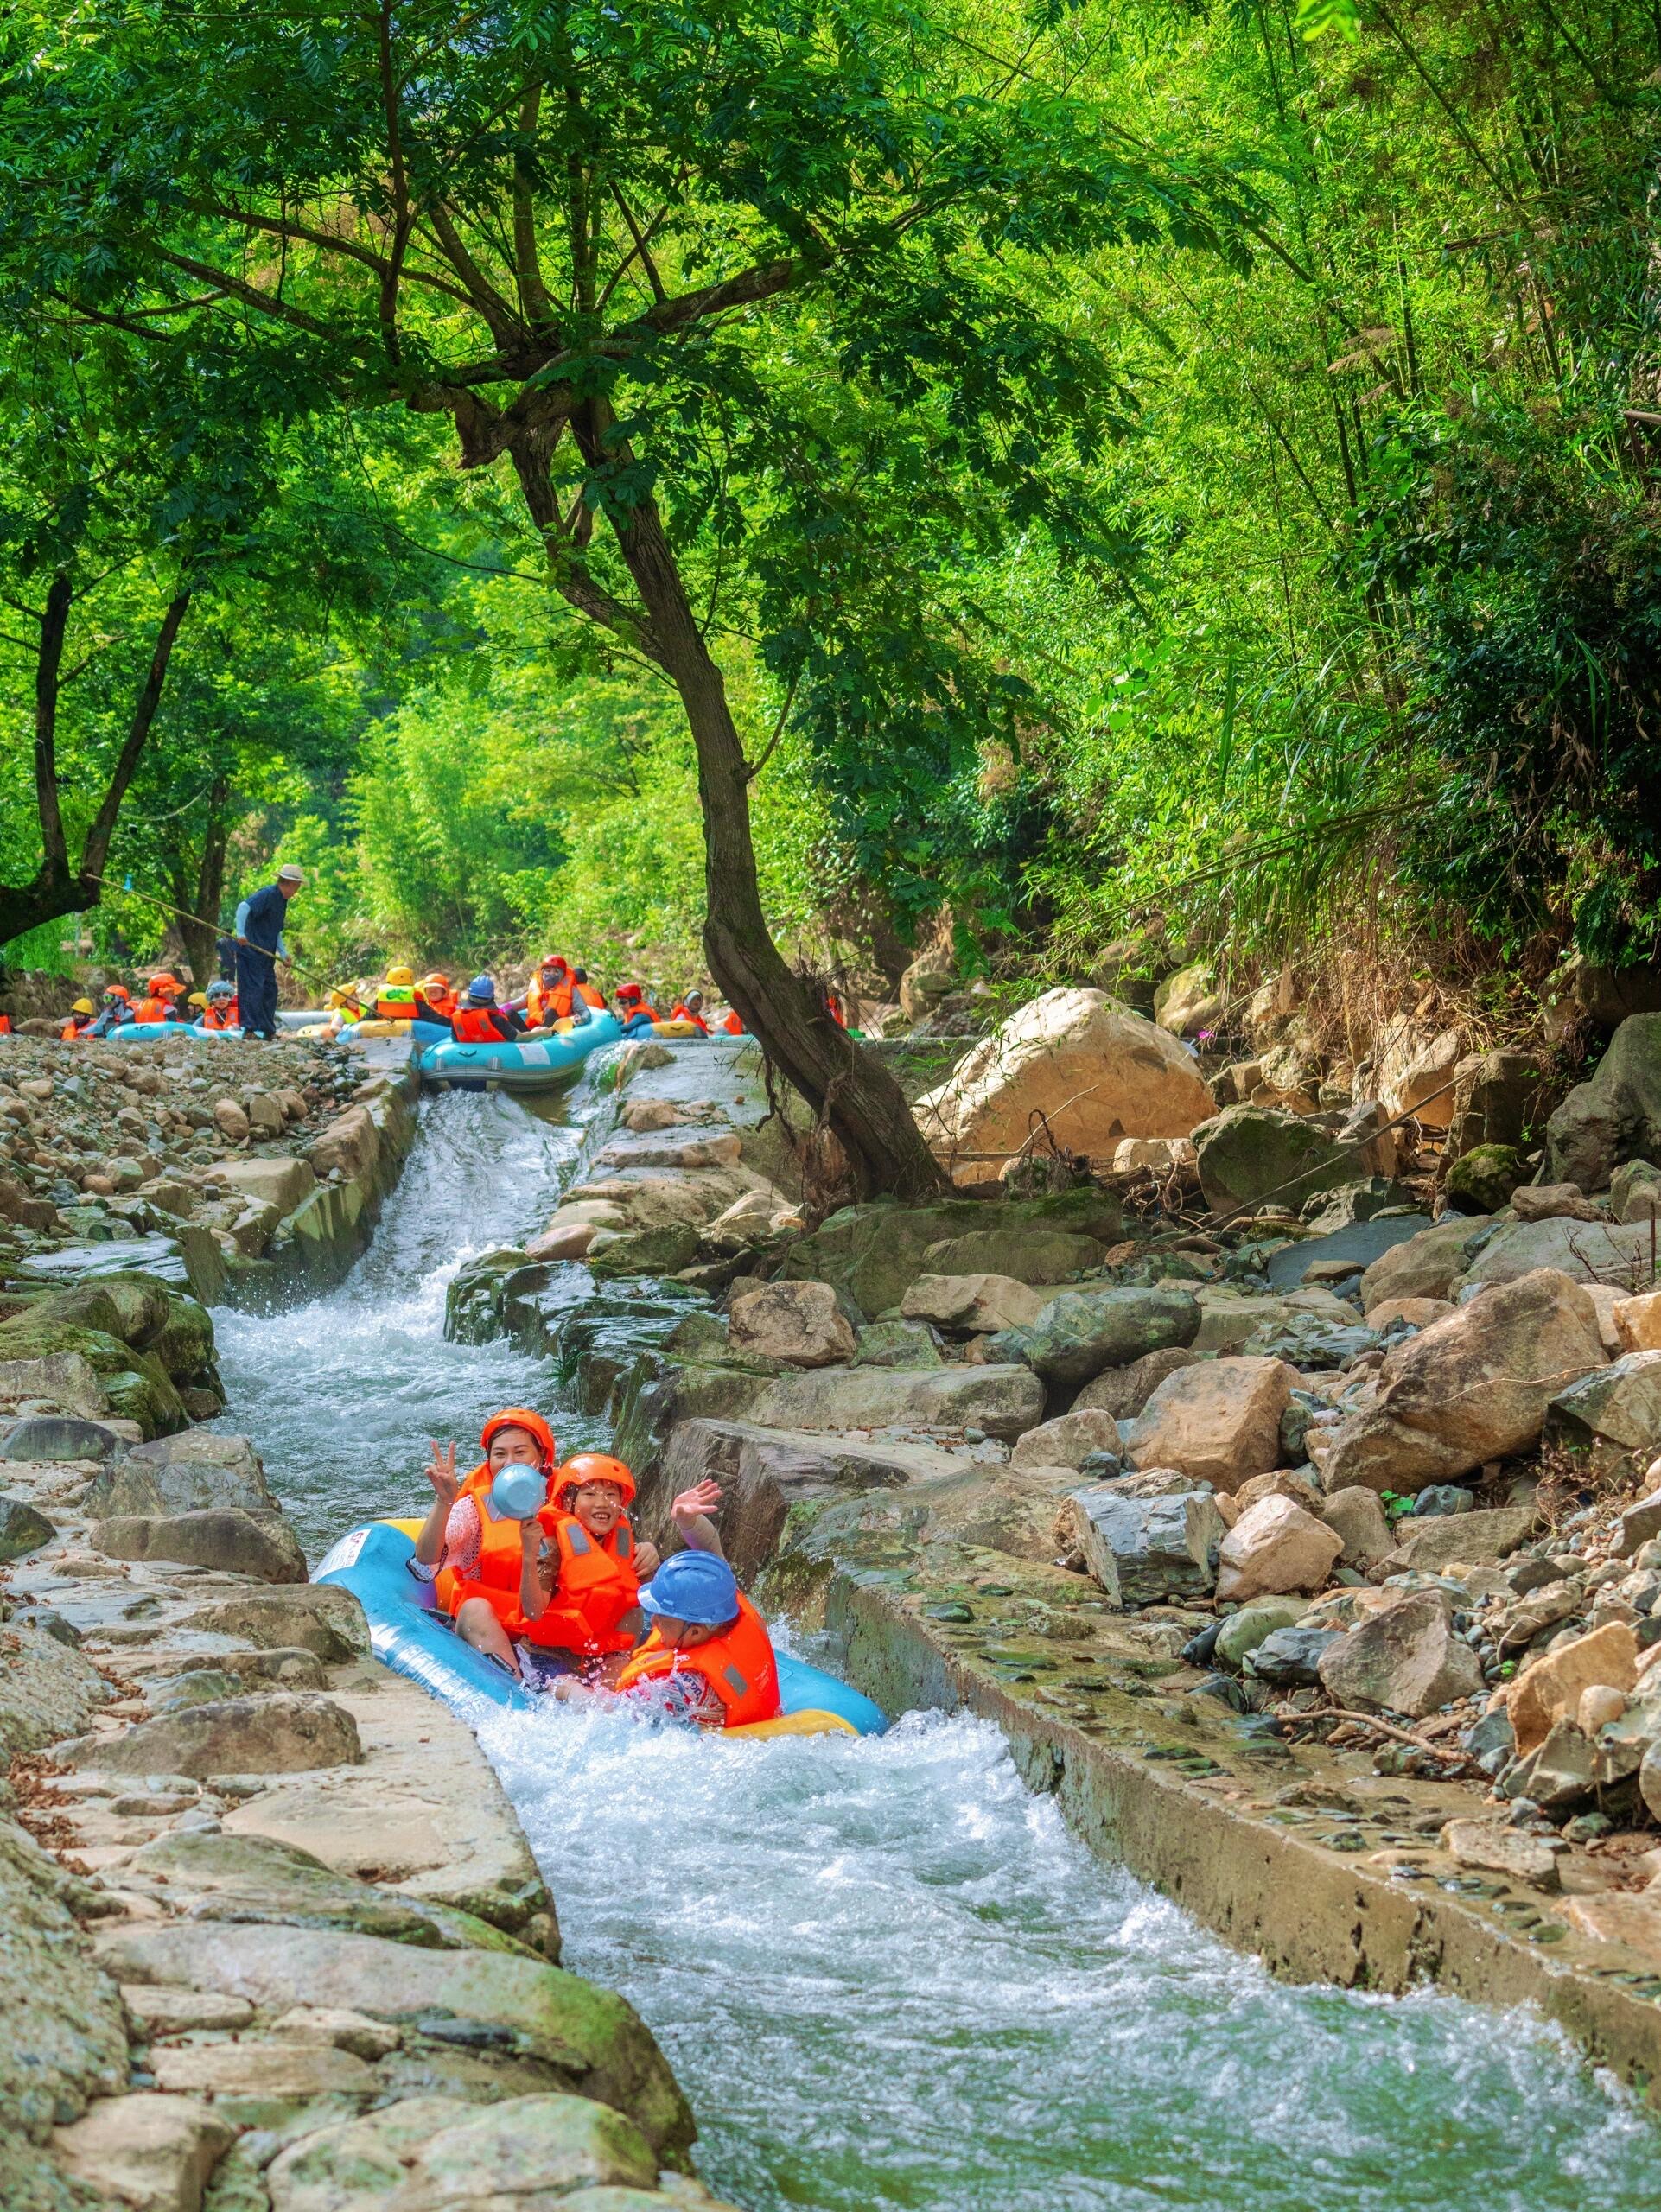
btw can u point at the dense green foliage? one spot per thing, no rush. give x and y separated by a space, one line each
1198 475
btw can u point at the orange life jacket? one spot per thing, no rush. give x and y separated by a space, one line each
480 1025
627 1010
589 996
496 1578
681 1012
738 1666
437 1006
228 1017
75 1028
547 1002
734 1025
833 1006
5 1025
596 1586
156 1009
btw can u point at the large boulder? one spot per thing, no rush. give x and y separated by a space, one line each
1029 1254
1635 1191
1610 1421
1249 1154
1614 1117
135 1384
196 1468
1419 1076
321 1617
280 1182
276 1734
1407 1660
1427 1543
1095 1070
1080 1333
1586 1250
1189 1001
798 1323
1219 1421
1146 1551
876 1252
1275 1547
1424 1266
1067 1441
1471 1388
1550 1690
972 1303
1123 1391
262 1545
1499 1099
1002 1401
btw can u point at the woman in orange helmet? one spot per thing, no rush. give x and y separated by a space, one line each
481 1544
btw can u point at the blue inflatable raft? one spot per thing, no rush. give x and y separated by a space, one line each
531 1063
157 1032
412 1637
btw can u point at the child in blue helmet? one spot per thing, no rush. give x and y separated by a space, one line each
479 1020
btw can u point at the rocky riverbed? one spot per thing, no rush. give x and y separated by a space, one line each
1311 1551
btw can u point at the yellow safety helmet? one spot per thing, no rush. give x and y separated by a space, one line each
400 975
197 998
81 1006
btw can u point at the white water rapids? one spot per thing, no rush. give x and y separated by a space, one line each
884 1972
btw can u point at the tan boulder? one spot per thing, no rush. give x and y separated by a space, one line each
1474 1386
1406 1658
1424 1266
1415 1075
1356 1518
148 2150
1417 1313
1161 1154
1638 1322
1217 1421
1098 1072
1280 1482
1275 1547
1067 1441
350 1143
977 1302
798 1323
1123 1391
1552 1689
1553 1202
1494 1848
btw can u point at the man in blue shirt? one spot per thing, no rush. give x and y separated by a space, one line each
260 946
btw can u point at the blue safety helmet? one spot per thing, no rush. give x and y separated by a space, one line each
693 1586
518 1492
481 991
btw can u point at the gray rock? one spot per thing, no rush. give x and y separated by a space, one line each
1314 1345
1614 1117
262 1545
1442 1498
1243 1631
1408 1660
1291 1658
1585 1251
1357 1516
1146 1551
1029 1255
1003 1401
1249 1154
22 1529
47 1438
1621 1744
65 2040
898 1344
1123 1391
1560 1774
46 1689
1638 1523
277 1734
1635 1190
1083 1331
876 1252
1610 1421
1348 1203
1482 1181
316 1616
797 1323
1481 1538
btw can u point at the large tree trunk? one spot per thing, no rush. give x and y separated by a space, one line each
847 1086
201 897
59 887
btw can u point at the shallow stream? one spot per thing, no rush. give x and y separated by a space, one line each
884 1972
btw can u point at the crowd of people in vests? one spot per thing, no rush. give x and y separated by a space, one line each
476 1013
536 1565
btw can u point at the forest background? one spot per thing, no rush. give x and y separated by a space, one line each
1351 654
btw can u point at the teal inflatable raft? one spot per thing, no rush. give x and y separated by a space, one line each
157 1032
412 1637
530 1064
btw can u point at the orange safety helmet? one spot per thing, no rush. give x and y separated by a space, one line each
593 1467
521 1417
436 981
159 984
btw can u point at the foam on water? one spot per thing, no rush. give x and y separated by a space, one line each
885 1973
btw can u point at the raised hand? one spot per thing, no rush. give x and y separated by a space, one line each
441 1473
703 1497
